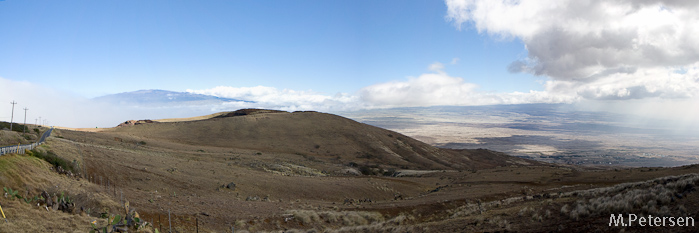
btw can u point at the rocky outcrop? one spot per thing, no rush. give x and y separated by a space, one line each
135 122
231 186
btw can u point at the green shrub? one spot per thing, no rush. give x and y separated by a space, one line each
53 159
12 193
15 126
371 170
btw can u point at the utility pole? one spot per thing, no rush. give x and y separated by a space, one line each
25 120
13 113
39 120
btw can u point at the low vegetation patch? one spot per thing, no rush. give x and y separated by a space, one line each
58 162
374 170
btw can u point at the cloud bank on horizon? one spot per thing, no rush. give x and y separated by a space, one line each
429 89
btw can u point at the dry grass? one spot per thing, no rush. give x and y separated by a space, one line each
657 197
19 171
343 218
315 136
23 217
650 197
348 221
173 171
30 176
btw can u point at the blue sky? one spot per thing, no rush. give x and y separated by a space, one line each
93 48
331 56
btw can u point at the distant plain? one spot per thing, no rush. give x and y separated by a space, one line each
555 133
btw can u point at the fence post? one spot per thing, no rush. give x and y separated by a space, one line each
169 221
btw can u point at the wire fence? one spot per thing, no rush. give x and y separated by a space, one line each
19 149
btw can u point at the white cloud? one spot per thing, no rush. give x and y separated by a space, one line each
436 67
434 88
584 42
285 99
647 83
641 55
68 110
428 89
439 88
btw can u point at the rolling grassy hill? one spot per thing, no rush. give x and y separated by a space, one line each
326 137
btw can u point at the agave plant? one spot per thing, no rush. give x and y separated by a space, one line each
112 222
115 223
12 193
30 200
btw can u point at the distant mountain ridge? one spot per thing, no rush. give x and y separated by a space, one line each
162 97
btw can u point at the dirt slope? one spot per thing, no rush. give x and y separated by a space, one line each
323 136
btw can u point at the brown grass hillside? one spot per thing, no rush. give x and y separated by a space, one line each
320 135
260 171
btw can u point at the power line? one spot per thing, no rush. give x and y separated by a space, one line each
13 113
25 120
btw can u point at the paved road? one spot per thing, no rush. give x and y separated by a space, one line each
20 149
